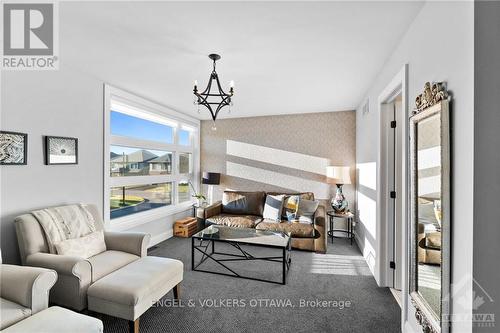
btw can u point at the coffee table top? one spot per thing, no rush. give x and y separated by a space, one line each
244 236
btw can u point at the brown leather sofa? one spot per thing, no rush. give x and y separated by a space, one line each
245 209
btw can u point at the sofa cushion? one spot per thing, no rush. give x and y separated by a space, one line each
290 207
273 207
433 240
296 230
107 262
307 209
11 313
239 221
243 203
303 195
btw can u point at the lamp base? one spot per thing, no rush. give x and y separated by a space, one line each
339 202
210 194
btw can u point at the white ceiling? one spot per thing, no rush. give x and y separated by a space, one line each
285 57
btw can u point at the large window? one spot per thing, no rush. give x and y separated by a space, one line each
150 159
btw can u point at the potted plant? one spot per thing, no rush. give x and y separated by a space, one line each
199 197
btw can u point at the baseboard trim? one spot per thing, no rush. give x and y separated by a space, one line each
361 246
397 296
156 239
408 328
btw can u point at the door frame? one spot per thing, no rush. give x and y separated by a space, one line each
398 85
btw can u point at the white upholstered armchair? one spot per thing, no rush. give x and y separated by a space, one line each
75 273
24 291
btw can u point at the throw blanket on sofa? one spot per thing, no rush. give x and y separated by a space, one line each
64 222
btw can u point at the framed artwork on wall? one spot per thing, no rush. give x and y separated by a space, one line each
61 150
13 148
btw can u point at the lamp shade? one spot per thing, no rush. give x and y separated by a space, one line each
338 175
211 178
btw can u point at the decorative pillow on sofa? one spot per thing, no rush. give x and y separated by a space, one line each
291 206
306 210
243 203
273 207
85 247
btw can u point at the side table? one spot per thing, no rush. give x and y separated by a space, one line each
349 217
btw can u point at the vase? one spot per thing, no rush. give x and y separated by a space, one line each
339 202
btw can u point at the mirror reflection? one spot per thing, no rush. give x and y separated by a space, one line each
429 211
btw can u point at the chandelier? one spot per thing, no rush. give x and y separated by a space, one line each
213 97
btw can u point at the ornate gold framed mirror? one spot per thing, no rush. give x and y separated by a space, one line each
430 208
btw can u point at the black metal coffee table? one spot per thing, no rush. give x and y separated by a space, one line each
204 242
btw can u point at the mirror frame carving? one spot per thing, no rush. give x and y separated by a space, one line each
434 100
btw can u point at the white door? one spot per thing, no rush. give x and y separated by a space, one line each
393 146
398 187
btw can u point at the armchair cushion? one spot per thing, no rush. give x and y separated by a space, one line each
58 320
131 242
11 313
85 247
109 261
27 286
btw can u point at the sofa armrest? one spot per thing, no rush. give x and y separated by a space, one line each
213 210
131 242
63 265
320 229
28 286
319 216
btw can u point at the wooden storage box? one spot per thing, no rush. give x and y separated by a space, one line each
185 227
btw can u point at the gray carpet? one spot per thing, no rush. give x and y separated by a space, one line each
214 303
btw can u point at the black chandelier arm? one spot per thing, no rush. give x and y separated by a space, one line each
219 86
209 86
225 102
214 115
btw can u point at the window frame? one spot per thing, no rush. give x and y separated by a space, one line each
172 118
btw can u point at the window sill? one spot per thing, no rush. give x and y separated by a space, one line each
134 220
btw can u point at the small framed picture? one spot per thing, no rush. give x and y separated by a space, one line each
13 148
61 150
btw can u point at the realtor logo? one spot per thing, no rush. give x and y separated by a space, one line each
29 36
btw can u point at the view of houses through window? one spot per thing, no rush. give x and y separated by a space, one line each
150 162
126 161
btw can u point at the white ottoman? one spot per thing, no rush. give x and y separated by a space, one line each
57 320
131 290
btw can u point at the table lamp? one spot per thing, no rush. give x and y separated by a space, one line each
338 175
211 179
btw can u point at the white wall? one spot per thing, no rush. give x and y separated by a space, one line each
62 103
486 160
438 46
